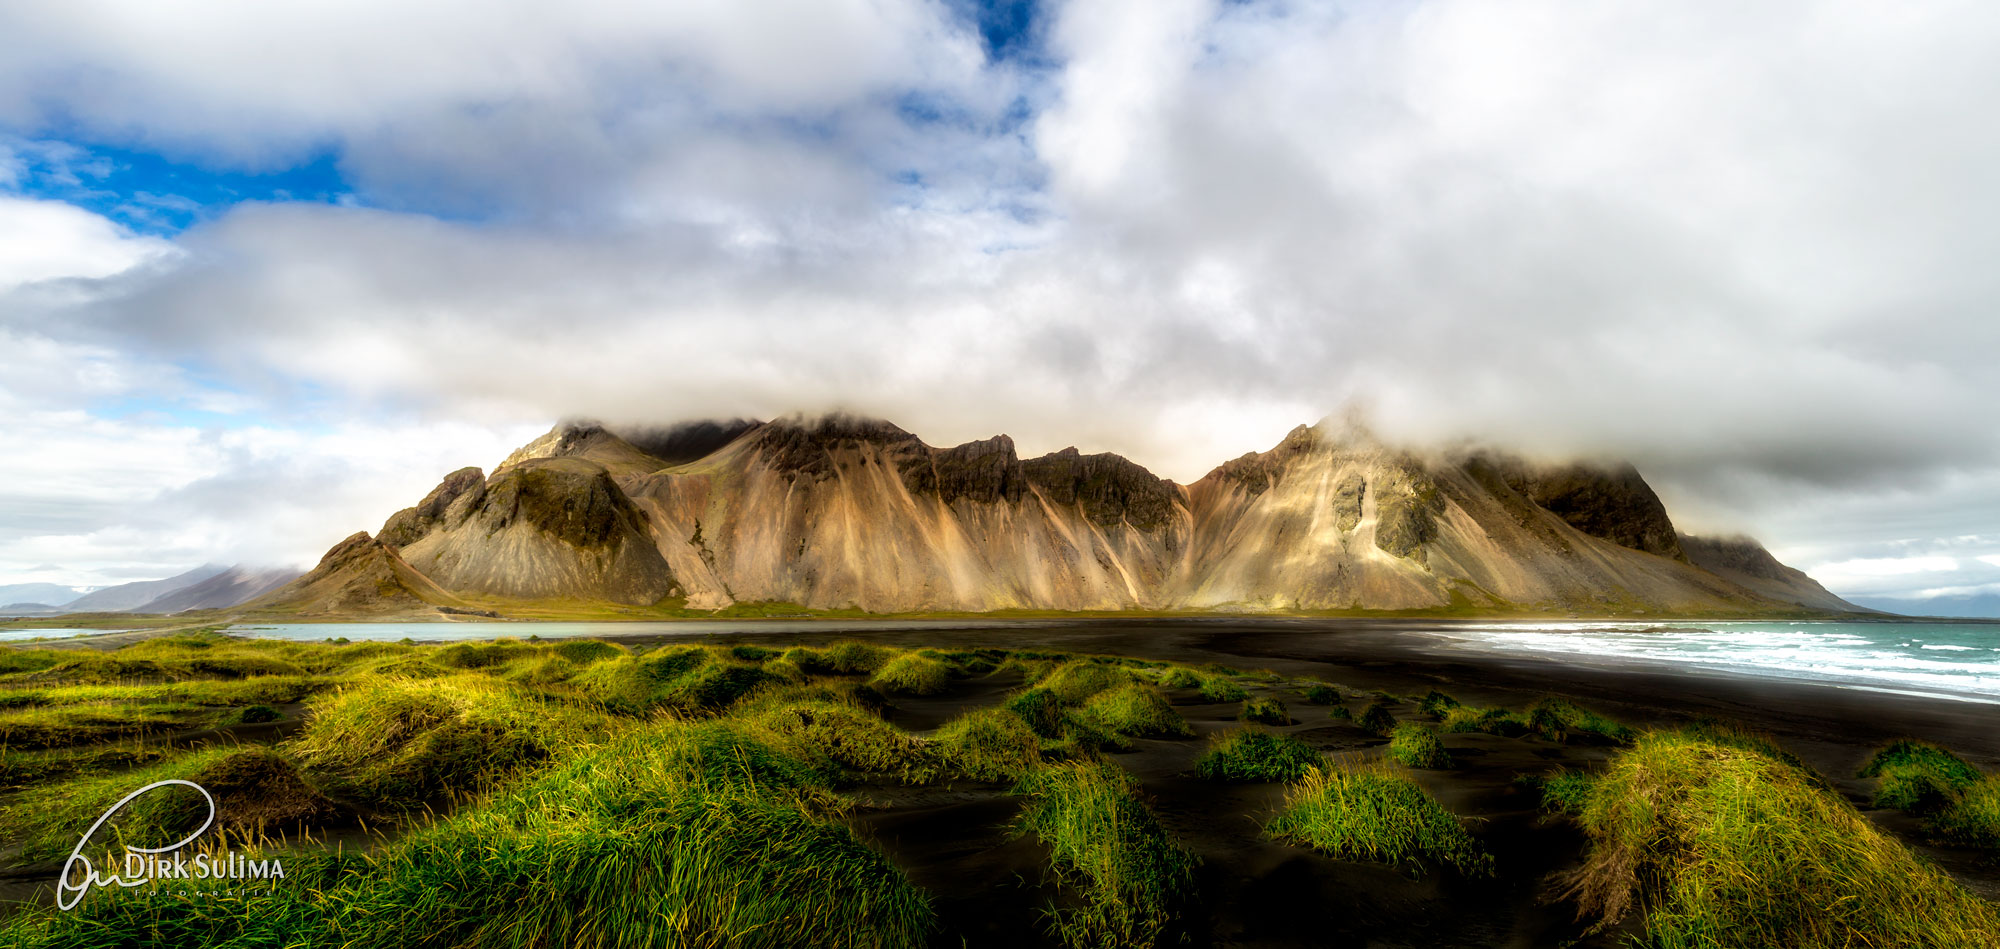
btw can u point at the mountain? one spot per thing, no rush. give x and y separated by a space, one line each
126 597
359 575
29 609
1979 605
49 594
229 588
837 511
1746 563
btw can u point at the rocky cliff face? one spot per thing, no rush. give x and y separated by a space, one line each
1746 563
538 528
838 511
360 575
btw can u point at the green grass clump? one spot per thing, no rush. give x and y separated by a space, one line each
989 744
1340 712
1373 814
1566 791
398 745
1264 712
1553 719
499 652
1417 746
1040 709
1919 777
1957 802
166 659
68 726
1076 681
1180 677
1436 704
1219 688
1132 876
912 674
1378 720
1560 721
836 733
1492 721
1319 693
583 652
20 769
257 791
677 835
1722 845
1972 818
1136 710
852 658
692 678
1252 754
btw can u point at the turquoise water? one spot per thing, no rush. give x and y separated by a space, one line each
60 633
1948 660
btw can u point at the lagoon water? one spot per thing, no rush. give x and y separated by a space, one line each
62 632
1949 660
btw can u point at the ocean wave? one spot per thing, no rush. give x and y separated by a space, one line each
1861 655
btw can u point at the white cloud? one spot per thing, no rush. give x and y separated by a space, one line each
260 81
50 240
1742 245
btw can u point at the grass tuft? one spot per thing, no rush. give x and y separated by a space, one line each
1265 712
1718 844
1436 704
1136 710
1319 693
1373 814
1418 746
398 745
1131 877
989 745
1076 681
1378 720
1252 754
912 674
1221 688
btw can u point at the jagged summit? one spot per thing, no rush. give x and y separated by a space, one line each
841 510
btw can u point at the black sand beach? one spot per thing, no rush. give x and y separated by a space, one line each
1260 893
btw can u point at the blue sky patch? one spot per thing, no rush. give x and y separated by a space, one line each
152 194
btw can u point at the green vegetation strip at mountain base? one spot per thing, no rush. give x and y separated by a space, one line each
1719 844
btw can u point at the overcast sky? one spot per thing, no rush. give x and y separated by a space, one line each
268 270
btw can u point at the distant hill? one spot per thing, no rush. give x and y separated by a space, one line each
226 589
843 512
126 597
1986 605
49 594
29 609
